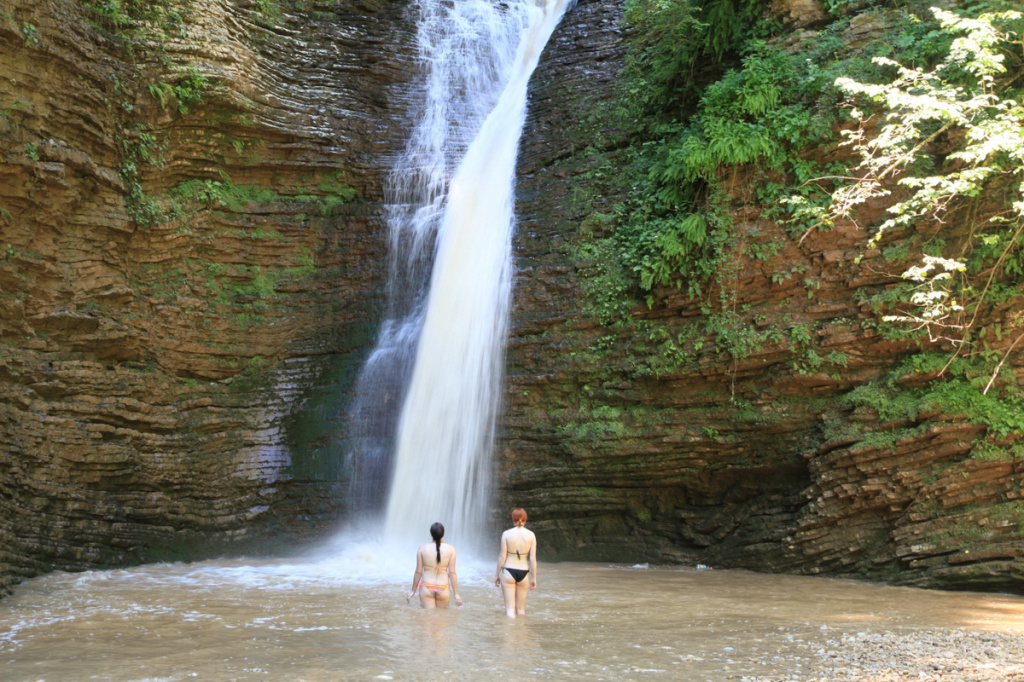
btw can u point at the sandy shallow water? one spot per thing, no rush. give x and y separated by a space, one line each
339 619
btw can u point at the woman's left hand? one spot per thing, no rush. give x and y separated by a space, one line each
408 597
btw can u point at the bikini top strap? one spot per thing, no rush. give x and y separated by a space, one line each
517 552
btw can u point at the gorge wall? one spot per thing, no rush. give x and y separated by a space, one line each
193 247
648 439
193 258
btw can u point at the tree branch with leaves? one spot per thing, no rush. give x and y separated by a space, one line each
968 97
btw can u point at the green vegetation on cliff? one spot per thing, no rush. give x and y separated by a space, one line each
970 96
895 121
766 100
721 85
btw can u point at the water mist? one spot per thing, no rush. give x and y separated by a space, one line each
440 353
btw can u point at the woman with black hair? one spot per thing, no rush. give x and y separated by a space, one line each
435 572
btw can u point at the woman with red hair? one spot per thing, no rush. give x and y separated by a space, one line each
518 558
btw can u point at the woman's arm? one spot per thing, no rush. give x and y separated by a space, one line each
533 563
454 579
501 560
416 576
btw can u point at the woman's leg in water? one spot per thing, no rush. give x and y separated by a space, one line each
508 591
522 589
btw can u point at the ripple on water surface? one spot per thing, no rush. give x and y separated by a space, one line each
345 617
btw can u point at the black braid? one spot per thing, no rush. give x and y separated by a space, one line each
437 532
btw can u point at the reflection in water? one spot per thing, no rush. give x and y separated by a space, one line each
340 619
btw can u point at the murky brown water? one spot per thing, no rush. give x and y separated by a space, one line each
331 620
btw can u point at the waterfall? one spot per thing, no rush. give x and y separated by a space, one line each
440 352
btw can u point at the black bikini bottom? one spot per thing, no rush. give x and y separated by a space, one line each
517 573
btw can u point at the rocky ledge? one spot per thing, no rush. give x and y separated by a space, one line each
192 244
650 440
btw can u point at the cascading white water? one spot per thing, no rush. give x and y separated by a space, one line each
452 217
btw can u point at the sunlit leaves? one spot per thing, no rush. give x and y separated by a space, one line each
935 297
962 99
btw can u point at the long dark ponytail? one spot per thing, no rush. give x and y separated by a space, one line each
437 532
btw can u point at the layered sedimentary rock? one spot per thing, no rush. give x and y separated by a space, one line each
191 257
192 252
650 441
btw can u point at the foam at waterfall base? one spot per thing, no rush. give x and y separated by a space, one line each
357 558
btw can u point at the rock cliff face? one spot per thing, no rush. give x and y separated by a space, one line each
192 261
192 248
766 460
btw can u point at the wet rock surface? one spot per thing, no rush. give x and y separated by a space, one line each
946 654
174 387
935 655
169 385
727 461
